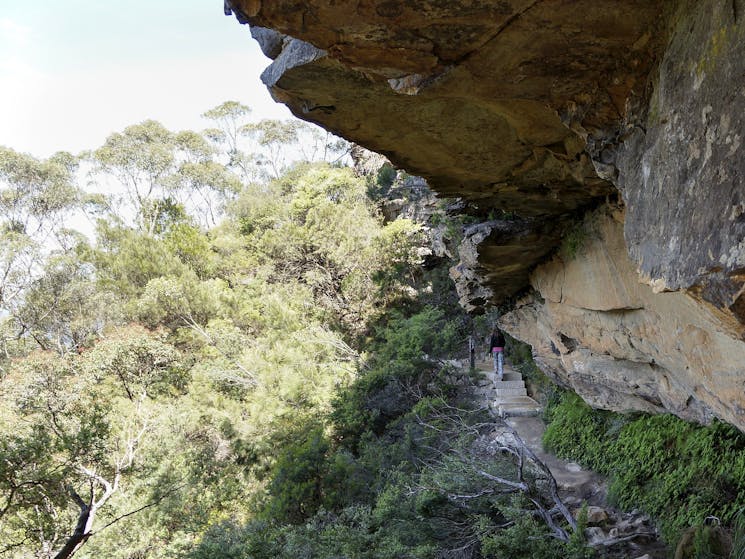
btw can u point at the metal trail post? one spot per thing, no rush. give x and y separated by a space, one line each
472 351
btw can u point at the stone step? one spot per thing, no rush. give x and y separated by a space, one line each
508 373
483 391
527 400
485 382
516 406
511 383
489 374
519 411
490 367
505 392
507 384
506 397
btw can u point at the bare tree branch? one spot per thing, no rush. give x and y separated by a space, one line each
483 445
144 507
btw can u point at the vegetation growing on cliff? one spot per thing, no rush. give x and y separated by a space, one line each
679 472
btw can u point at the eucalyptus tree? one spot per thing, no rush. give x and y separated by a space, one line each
139 159
71 432
274 139
230 119
36 197
279 142
265 149
155 171
204 187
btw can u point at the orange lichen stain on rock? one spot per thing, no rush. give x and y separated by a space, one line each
250 7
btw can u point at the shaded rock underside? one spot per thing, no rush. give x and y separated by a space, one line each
492 102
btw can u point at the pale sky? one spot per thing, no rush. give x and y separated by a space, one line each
74 71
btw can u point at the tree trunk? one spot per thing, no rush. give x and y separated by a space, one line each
79 536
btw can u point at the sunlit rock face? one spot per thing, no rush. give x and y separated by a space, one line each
535 112
595 328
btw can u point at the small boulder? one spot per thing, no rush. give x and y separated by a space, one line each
596 515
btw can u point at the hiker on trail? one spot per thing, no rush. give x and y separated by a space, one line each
496 348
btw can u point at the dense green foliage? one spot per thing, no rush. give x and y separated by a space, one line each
416 490
156 382
677 471
247 361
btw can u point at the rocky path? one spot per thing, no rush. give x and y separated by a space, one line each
509 400
628 535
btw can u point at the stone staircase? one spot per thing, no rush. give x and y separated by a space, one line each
632 534
506 398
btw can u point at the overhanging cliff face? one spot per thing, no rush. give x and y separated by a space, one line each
489 101
544 109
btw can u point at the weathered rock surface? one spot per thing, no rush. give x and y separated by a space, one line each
500 253
682 172
595 328
488 101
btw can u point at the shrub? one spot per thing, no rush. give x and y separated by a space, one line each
676 471
578 432
401 372
529 539
295 489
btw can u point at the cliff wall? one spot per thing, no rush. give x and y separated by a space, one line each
622 346
535 112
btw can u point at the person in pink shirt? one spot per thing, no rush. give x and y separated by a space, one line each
496 348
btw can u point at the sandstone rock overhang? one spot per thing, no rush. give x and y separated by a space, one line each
502 103
543 108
